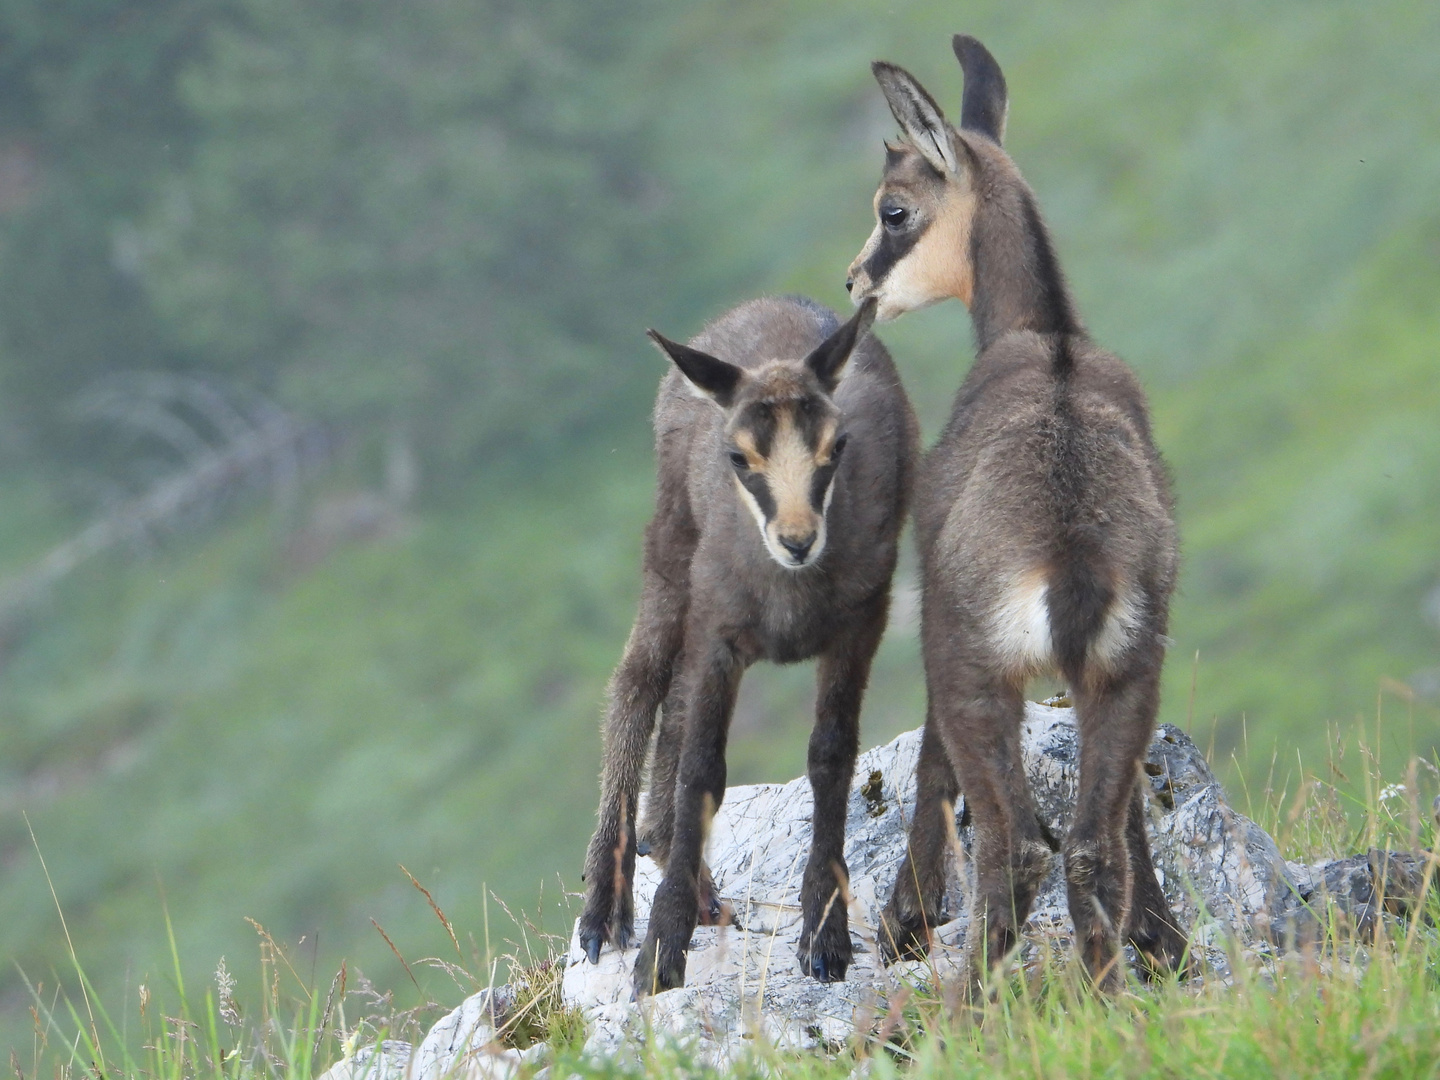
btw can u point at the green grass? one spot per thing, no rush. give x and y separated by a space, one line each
1344 1006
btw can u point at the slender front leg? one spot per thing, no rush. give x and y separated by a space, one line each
1116 719
658 824
712 677
913 910
636 690
842 675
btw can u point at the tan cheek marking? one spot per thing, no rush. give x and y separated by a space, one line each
942 258
746 442
825 448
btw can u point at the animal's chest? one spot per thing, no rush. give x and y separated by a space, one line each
789 628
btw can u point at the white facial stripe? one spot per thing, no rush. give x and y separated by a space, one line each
789 470
771 537
822 533
754 507
789 473
858 275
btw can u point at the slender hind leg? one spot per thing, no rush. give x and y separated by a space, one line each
1151 928
1116 719
842 674
658 823
914 907
979 718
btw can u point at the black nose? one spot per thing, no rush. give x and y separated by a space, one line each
849 284
798 548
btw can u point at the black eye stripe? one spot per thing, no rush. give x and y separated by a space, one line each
819 484
762 431
892 248
755 484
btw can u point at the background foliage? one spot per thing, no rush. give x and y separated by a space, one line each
436 231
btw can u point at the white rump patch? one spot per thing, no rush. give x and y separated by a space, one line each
1020 623
1122 620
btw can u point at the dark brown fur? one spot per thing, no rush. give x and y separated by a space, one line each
1044 523
715 599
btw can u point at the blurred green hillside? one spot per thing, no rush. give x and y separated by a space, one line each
433 234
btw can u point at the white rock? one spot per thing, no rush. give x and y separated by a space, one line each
462 1046
384 1062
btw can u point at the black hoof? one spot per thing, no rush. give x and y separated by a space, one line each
1166 953
594 933
910 948
657 969
826 969
902 941
714 913
825 955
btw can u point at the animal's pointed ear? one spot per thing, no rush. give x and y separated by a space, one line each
830 356
986 102
920 118
709 375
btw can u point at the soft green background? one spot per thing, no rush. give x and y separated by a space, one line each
444 226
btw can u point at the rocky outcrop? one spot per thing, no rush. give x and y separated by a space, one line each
743 981
1224 877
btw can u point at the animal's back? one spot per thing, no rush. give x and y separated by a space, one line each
1047 505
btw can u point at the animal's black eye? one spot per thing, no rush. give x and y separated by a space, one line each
894 217
739 460
839 447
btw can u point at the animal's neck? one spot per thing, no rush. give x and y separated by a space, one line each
1018 281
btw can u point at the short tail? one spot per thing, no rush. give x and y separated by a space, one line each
1081 590
1079 597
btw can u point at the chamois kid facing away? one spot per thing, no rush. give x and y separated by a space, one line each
1044 522
782 489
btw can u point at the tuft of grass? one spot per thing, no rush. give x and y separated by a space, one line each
286 1025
